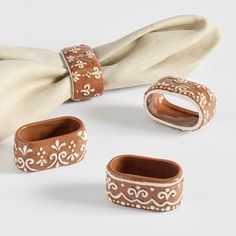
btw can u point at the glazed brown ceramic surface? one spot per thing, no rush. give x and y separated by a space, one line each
161 110
49 144
144 183
85 72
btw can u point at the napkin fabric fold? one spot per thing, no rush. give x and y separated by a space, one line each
34 82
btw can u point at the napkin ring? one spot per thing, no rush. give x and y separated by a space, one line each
161 110
49 144
144 183
85 72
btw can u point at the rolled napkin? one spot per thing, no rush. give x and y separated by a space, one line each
34 82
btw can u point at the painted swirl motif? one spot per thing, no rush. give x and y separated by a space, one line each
137 192
154 197
111 185
166 194
53 154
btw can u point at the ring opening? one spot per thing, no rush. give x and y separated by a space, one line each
48 129
162 109
145 167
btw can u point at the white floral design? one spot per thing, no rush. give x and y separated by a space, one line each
84 67
57 145
89 54
21 161
74 50
180 80
25 150
25 164
87 90
83 148
73 155
41 154
206 115
136 196
82 135
96 73
52 155
210 94
166 194
201 98
70 58
58 157
111 185
162 84
75 76
184 89
80 64
137 192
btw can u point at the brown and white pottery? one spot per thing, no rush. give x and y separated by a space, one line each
144 183
49 144
85 72
161 110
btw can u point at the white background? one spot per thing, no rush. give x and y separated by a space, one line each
71 200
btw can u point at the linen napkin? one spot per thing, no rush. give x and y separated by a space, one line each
34 82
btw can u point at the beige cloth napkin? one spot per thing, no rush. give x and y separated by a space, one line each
34 82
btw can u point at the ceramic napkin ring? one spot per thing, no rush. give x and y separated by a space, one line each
144 183
85 72
161 110
49 144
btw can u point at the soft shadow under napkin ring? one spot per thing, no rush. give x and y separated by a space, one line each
161 110
49 144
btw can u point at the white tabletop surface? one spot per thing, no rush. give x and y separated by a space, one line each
71 200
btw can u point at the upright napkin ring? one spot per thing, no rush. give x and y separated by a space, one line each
85 72
144 183
49 144
161 110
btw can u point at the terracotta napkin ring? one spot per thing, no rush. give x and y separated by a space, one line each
161 110
85 72
49 144
144 183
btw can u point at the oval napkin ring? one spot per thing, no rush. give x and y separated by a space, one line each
144 183
161 110
85 72
49 144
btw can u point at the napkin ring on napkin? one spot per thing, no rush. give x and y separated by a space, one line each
49 144
85 72
161 110
144 183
